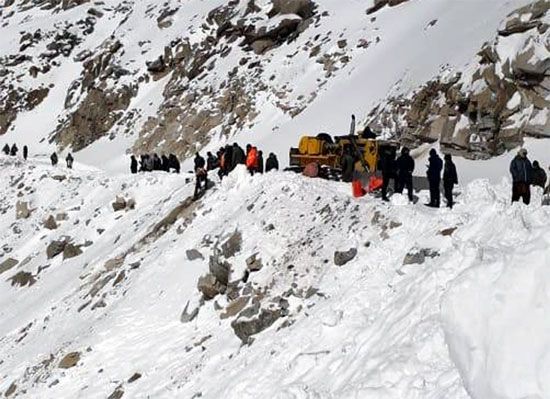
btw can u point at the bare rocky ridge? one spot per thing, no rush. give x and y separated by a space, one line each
489 108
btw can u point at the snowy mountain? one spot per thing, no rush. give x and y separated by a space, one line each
110 77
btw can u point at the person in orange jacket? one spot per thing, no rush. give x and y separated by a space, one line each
252 160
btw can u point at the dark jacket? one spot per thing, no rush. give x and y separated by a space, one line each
54 159
14 150
238 157
348 165
271 163
450 177
539 177
174 163
388 165
260 162
6 149
405 166
435 165
165 163
133 164
199 162
521 170
212 162
25 152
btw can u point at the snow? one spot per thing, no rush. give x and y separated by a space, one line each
377 328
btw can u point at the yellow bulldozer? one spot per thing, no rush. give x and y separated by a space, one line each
327 152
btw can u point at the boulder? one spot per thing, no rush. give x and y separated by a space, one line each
245 327
61 216
193 254
219 269
55 248
8 264
71 251
210 287
187 316
70 360
303 8
235 307
22 279
418 256
119 204
22 210
343 257
253 263
50 223
232 245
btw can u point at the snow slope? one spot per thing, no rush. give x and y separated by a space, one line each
428 308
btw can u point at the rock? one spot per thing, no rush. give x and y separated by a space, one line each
114 263
22 210
22 279
448 232
117 393
219 269
61 216
59 178
134 377
70 360
418 257
187 316
50 223
341 258
193 254
119 204
210 287
303 8
131 204
245 327
253 263
11 390
71 251
235 307
232 245
55 248
8 264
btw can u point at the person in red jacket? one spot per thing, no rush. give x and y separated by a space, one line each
252 160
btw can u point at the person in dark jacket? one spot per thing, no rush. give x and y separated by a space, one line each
174 163
54 159
348 166
435 165
450 178
388 167
522 173
228 160
221 162
211 161
368 133
165 163
133 165
201 175
238 156
14 149
539 175
6 149
271 163
260 162
405 169
69 161
25 152
157 162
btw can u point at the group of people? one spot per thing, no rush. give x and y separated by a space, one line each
69 159
13 150
226 160
524 175
149 163
401 171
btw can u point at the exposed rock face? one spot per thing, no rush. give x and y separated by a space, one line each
210 287
482 113
71 251
8 264
22 210
50 223
55 248
70 360
22 279
254 320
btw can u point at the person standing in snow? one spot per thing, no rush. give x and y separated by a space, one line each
522 173
539 175
69 161
348 166
238 156
405 169
211 161
388 167
25 152
450 178
14 149
272 163
252 160
54 159
165 162
133 165
174 163
260 162
6 149
201 176
435 165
